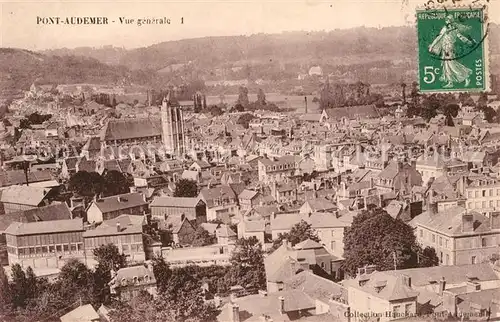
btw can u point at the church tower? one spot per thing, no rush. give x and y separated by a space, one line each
172 124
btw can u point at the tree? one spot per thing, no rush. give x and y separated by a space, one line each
243 97
108 258
261 97
247 261
86 184
244 120
299 232
450 111
376 238
186 188
5 296
427 257
482 102
204 102
215 110
162 273
115 183
203 238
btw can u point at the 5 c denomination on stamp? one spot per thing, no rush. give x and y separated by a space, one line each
452 45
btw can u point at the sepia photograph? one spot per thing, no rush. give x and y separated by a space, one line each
249 161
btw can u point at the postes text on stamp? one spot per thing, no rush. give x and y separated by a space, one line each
452 45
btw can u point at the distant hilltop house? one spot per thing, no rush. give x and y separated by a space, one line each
315 71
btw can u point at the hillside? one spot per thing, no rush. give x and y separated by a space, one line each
20 68
330 48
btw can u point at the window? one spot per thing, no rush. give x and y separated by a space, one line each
395 310
484 242
433 238
469 194
441 257
73 247
491 193
59 248
440 241
469 205
476 194
52 249
333 233
323 265
332 245
421 233
484 193
446 243
473 260
408 309
66 247
483 204
447 259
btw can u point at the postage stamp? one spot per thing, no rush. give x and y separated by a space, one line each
452 50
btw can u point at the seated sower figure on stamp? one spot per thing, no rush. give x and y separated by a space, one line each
445 45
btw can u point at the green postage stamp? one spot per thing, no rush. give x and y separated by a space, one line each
452 50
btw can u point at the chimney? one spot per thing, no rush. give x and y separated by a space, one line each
118 227
370 269
407 280
442 285
467 223
473 287
235 309
495 220
282 304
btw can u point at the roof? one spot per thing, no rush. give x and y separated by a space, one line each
453 274
449 221
129 224
128 273
248 194
59 211
225 231
255 306
255 225
308 244
222 192
352 112
383 285
319 204
178 202
93 144
24 195
120 202
316 286
84 313
131 128
44 227
17 177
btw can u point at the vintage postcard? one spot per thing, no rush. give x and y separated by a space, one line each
244 161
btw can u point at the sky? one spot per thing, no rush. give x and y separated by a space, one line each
19 28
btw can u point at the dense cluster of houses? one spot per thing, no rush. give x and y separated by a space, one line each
260 181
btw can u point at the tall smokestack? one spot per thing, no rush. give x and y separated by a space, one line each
305 100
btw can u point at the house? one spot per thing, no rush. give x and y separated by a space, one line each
483 196
383 295
333 115
48 213
45 244
114 206
398 176
281 306
129 282
221 203
435 283
459 236
248 199
18 177
83 313
284 192
68 167
200 166
252 228
92 148
19 198
277 169
286 261
194 209
124 231
225 235
177 230
317 205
